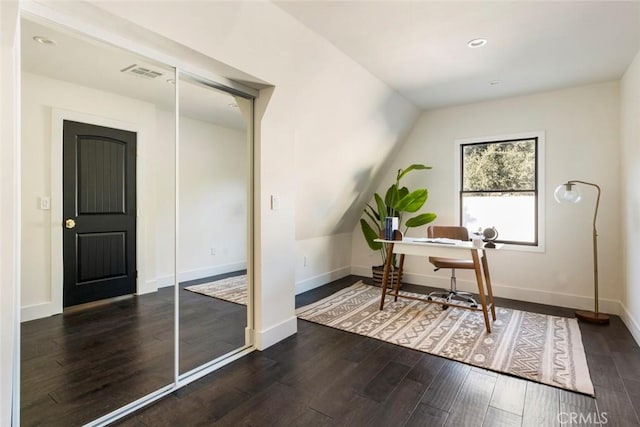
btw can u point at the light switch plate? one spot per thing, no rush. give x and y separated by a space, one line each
275 202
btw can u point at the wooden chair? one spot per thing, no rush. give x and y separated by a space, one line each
457 233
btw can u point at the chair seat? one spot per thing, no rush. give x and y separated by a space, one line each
440 262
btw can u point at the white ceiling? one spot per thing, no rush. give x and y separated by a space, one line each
416 47
85 62
419 47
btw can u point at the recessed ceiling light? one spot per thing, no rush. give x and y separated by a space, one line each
44 40
495 82
476 43
171 81
233 105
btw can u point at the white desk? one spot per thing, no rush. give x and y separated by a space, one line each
461 250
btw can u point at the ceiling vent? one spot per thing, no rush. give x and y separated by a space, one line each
141 71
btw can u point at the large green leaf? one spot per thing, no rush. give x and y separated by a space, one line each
402 193
372 212
397 200
392 196
421 219
375 220
370 235
403 172
413 201
382 208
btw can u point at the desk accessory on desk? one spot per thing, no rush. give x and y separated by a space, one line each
390 226
489 235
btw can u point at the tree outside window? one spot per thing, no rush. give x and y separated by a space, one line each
499 188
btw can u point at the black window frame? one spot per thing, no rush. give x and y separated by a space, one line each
535 191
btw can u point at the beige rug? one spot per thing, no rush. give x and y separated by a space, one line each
232 289
537 347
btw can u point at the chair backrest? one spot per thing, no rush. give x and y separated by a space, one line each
448 231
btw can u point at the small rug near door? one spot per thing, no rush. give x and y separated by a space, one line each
232 289
537 347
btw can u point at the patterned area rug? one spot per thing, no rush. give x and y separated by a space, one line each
232 289
537 347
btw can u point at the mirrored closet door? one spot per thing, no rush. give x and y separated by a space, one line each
136 191
97 305
214 206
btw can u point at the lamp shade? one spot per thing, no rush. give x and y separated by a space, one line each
567 193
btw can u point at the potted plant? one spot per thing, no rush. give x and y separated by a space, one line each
397 202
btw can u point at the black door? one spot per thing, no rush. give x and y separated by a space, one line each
99 212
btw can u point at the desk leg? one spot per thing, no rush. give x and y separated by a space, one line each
487 279
385 275
396 288
483 300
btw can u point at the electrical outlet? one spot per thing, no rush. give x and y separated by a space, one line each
213 251
45 203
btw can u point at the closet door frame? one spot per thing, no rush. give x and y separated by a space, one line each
41 12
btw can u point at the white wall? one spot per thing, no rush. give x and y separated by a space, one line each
9 209
161 235
213 199
630 128
582 142
323 133
320 260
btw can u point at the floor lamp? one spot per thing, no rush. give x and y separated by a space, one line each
569 192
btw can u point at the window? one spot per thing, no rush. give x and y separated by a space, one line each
499 186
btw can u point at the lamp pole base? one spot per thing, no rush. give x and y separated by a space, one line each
592 317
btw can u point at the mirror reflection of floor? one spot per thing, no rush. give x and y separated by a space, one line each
89 361
209 327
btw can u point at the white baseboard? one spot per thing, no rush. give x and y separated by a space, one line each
529 295
200 273
162 282
37 311
46 309
632 324
268 337
148 287
321 279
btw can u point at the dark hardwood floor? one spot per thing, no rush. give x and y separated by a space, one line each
209 327
93 359
323 376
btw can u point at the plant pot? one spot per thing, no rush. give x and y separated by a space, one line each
394 276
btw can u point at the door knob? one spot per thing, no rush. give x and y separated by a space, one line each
70 223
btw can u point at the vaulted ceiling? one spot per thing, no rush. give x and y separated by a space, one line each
330 62
419 48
